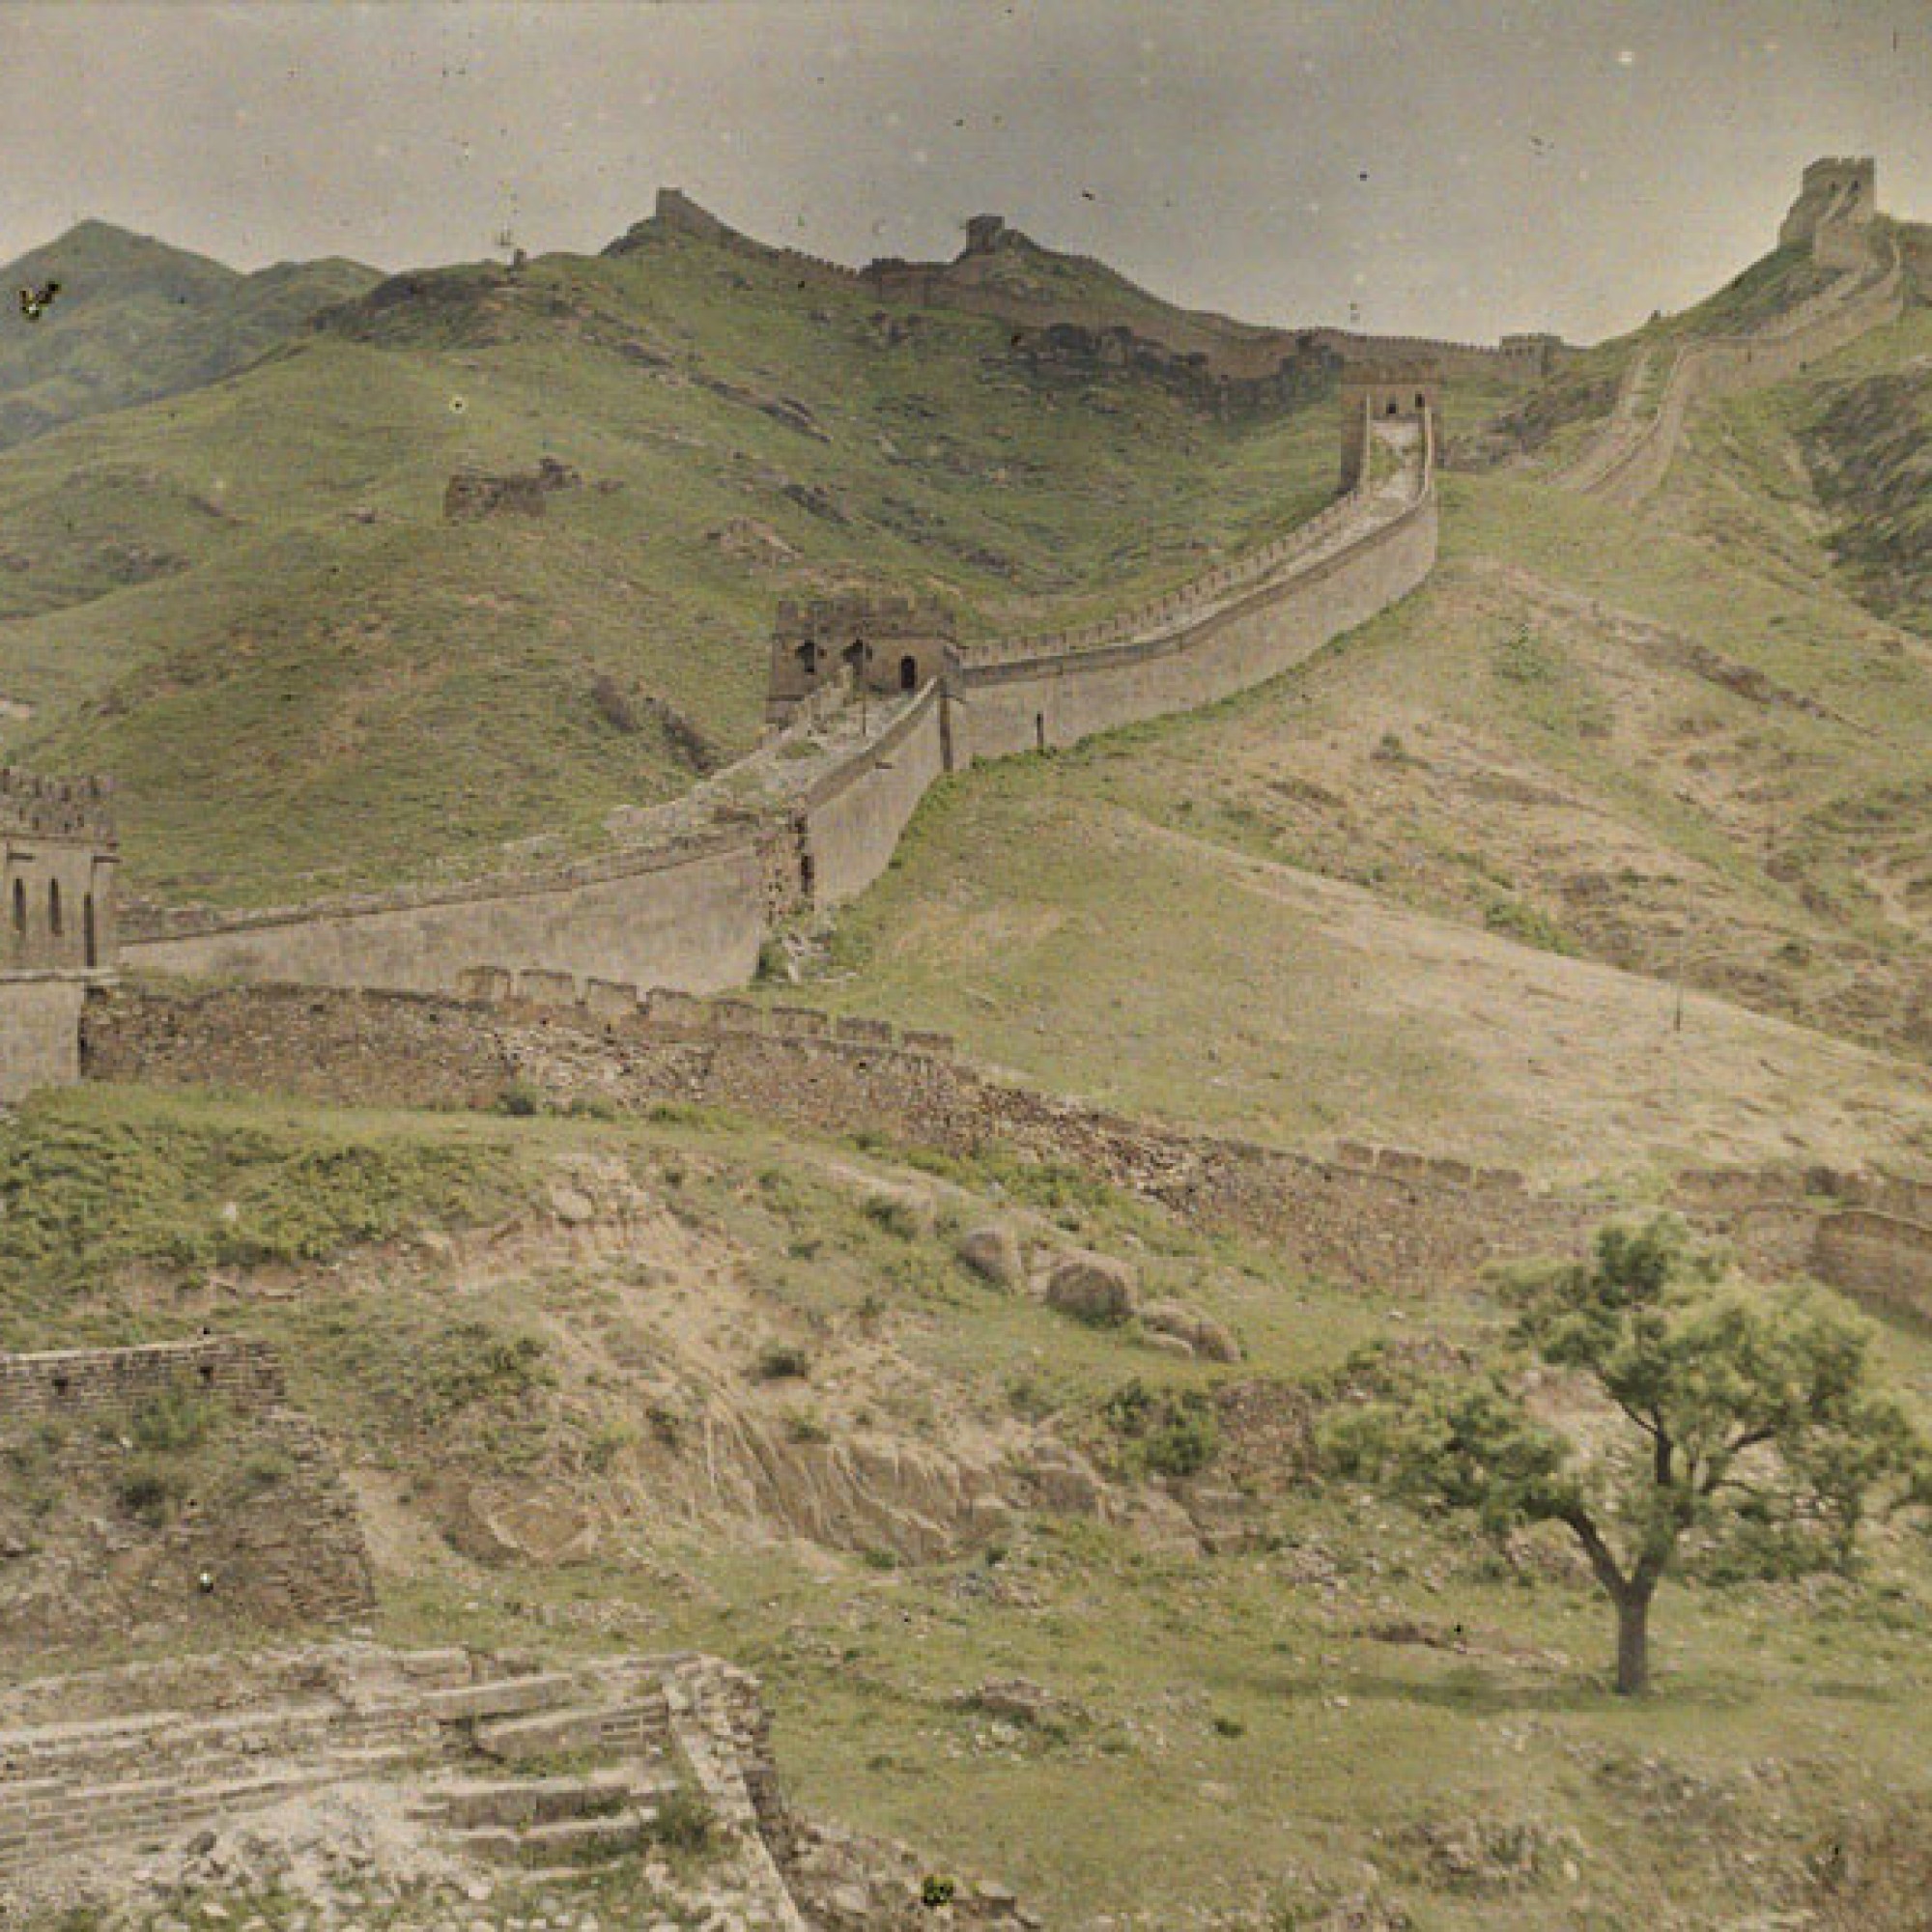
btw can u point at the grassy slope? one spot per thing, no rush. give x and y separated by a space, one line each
1294 1724
1559 740
269 702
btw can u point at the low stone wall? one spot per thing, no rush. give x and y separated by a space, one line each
1370 1214
287 1547
1879 1257
1387 1218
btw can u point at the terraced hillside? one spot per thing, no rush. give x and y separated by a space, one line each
1008 1576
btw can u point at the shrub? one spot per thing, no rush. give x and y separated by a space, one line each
266 1468
147 1489
1166 1431
686 1822
519 1097
782 1361
177 1420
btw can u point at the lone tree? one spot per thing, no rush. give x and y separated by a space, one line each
1684 1405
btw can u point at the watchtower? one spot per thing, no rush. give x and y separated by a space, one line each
854 641
1385 394
1839 190
57 857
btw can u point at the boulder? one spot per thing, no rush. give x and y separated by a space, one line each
994 1252
1203 1335
1092 1288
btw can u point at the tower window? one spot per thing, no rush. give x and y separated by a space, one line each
53 907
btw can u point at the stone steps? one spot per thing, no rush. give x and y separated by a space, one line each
549 1733
563 1843
513 1802
500 1697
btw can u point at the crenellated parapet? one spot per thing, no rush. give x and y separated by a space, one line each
79 808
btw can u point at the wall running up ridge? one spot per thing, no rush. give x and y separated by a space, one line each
1631 457
691 912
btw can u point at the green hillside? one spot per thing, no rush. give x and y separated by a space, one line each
246 602
1676 742
135 319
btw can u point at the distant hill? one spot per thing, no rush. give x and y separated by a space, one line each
135 319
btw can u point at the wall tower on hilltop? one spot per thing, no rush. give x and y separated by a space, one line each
1837 198
852 643
1392 392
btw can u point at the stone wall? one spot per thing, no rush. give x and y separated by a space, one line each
102 1764
693 909
1879 1257
39 1030
284 1549
1023 704
1363 1216
677 915
1630 458
1375 1215
855 815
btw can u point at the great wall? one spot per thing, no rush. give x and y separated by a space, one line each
1835 216
688 904
582 981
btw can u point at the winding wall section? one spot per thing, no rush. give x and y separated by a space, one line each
691 911
1634 453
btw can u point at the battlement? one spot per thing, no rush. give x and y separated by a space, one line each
78 808
880 614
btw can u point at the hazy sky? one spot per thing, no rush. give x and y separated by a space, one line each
1452 168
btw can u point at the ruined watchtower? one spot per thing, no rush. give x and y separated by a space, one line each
843 644
1385 393
1838 193
57 859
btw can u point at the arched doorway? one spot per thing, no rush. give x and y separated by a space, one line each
908 673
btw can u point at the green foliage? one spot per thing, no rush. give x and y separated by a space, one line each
1518 920
175 1420
780 1361
520 1099
149 1488
686 1823
91 1179
1749 1419
1165 1431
